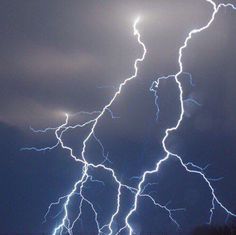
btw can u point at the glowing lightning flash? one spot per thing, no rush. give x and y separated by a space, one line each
67 224
171 129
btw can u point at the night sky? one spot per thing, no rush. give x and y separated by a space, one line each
62 57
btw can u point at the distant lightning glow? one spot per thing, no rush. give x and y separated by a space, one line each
67 224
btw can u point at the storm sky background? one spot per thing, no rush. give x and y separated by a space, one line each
67 56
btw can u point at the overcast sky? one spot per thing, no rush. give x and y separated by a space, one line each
67 56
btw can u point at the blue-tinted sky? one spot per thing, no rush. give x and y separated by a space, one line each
58 56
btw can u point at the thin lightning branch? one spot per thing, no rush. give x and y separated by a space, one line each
164 207
192 101
189 75
155 86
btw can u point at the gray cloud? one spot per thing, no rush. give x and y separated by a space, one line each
49 61
56 59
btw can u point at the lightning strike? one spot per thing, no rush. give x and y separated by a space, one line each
174 128
67 224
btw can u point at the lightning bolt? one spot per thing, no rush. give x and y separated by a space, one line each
92 119
196 169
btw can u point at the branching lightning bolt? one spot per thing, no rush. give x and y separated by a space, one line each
196 169
67 224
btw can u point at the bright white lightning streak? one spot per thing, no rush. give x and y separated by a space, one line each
169 130
66 223
138 192
155 86
84 177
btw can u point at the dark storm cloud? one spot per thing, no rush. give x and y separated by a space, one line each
54 54
66 56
